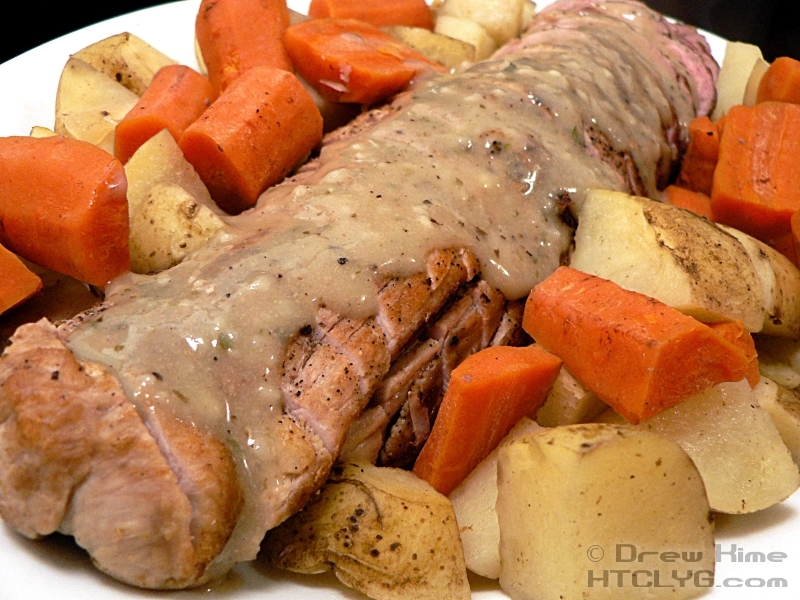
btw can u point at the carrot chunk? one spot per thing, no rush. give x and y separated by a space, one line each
252 136
735 332
487 394
781 82
174 100
637 354
63 205
17 282
697 202
347 60
412 13
757 183
237 35
700 160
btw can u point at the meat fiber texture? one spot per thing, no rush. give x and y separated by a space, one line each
170 428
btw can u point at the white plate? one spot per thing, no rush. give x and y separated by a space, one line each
57 569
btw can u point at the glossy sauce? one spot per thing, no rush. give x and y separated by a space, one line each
478 160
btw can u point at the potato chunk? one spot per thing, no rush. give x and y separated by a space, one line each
383 531
579 503
127 59
734 443
670 254
783 405
474 503
569 403
89 105
160 160
167 226
502 19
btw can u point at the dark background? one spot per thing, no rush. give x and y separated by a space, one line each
769 23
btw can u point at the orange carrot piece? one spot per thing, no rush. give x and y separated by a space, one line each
63 205
237 35
174 100
734 332
697 202
757 183
347 60
781 82
637 354
700 160
488 393
17 282
252 136
412 13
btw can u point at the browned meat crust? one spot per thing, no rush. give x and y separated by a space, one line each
78 459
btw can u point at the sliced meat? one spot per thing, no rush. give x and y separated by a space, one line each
77 458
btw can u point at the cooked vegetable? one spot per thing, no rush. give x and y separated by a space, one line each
382 531
474 504
63 206
756 183
412 13
89 104
252 136
168 225
670 254
502 19
734 75
734 443
569 402
469 32
783 405
735 332
781 82
236 35
637 354
487 394
575 502
347 60
447 51
175 99
754 82
160 160
17 282
126 59
779 360
780 285
696 202
700 160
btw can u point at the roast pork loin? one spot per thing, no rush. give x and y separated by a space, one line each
197 408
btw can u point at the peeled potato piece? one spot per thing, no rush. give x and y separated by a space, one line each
383 531
574 504
89 105
127 59
474 504
732 81
745 465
